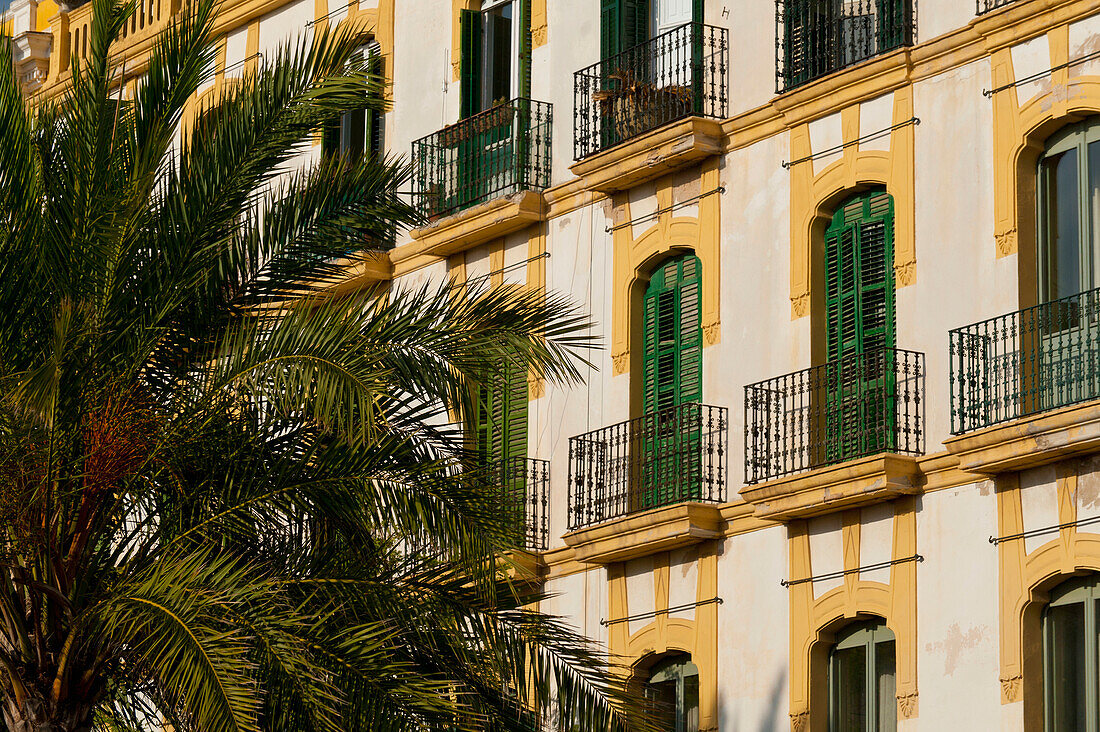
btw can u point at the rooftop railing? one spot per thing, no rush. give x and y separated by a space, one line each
680 73
1035 360
857 406
814 38
672 456
503 150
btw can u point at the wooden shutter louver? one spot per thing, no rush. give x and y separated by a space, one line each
634 24
672 369
610 13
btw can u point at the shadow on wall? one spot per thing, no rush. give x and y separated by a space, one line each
777 709
775 717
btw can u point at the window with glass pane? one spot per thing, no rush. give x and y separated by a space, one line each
673 692
862 692
1069 211
358 132
1071 669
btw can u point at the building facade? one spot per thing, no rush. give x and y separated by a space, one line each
838 464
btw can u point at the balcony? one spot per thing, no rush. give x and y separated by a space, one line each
988 6
673 456
496 153
525 494
860 406
1037 360
814 38
679 74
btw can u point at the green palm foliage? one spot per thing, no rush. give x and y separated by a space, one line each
228 500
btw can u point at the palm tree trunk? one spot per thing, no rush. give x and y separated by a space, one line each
35 716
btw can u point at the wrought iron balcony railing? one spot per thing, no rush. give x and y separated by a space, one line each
814 38
1023 363
988 6
857 406
525 494
500 151
672 456
680 73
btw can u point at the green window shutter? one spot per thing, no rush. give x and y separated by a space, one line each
375 143
859 284
470 22
698 14
672 354
483 425
610 17
691 333
501 424
525 48
515 413
634 23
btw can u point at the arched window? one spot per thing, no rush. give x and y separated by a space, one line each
1069 211
1071 644
673 689
862 695
672 359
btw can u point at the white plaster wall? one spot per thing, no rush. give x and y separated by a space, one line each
826 552
876 541
1039 501
959 280
937 17
574 43
235 49
286 26
426 99
683 581
639 591
1088 495
753 639
759 339
580 267
957 610
580 600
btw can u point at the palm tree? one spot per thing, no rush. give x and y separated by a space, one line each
231 500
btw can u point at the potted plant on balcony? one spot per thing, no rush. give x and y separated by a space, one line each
498 116
631 106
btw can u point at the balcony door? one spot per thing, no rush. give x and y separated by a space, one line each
860 328
1065 326
495 73
670 430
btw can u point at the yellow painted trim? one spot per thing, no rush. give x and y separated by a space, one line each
456 34
539 27
646 532
636 257
814 620
663 634
1026 577
815 195
536 280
